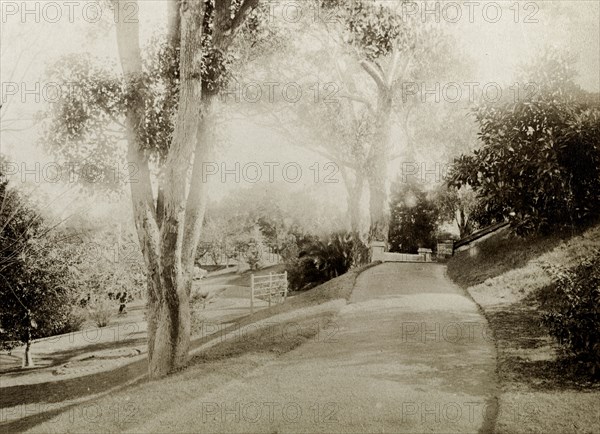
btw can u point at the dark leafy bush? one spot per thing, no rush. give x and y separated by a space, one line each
573 313
36 282
73 321
414 219
320 260
539 165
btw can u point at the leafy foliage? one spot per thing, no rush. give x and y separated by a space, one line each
459 205
36 281
539 164
87 123
90 116
322 259
414 218
573 315
374 28
254 249
102 312
106 266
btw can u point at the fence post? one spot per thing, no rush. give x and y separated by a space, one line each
252 293
285 289
270 287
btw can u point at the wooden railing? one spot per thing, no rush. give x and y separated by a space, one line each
479 234
272 288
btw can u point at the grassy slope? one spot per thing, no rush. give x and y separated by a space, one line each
492 259
505 276
222 363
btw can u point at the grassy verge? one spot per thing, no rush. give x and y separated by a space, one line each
232 360
220 363
492 259
507 279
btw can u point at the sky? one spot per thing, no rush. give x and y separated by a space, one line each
495 36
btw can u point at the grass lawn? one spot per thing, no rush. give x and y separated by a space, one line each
222 362
506 278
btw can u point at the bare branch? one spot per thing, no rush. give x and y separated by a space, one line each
393 66
374 73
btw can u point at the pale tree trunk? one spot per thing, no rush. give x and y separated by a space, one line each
377 170
379 153
173 333
465 227
162 240
354 198
354 190
169 231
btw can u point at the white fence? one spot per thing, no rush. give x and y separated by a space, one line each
401 257
272 288
378 253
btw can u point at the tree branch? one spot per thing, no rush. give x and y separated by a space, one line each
360 99
393 67
144 209
225 27
374 73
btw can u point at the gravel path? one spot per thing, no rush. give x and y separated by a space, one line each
410 353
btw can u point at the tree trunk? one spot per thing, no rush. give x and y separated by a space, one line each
27 357
161 234
378 230
464 223
169 231
377 170
354 211
354 190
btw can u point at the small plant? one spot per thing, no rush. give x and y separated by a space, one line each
74 321
101 312
255 249
573 313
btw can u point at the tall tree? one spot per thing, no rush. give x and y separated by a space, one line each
390 48
458 205
169 232
164 105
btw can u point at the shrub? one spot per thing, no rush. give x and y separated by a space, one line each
539 163
302 273
197 305
37 285
320 260
73 322
101 312
414 219
573 312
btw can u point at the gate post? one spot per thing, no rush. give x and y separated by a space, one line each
377 250
252 293
270 287
426 253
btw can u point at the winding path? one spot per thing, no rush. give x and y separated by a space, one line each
409 353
